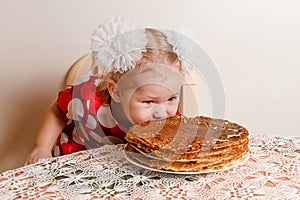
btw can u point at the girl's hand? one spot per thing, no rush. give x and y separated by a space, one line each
36 154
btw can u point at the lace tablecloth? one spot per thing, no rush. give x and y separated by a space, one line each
272 171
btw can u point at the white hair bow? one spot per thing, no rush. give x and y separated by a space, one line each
117 44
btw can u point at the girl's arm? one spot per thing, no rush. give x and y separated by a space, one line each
51 127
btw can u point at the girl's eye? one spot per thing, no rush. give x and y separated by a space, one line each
148 101
172 99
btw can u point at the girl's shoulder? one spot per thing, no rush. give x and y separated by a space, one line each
83 91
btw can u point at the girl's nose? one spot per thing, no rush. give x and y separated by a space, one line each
158 112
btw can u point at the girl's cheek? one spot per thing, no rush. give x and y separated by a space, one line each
172 110
139 115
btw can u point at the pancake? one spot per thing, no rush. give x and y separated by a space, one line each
183 144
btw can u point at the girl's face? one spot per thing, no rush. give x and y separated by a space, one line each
148 94
152 102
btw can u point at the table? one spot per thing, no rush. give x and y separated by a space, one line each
272 171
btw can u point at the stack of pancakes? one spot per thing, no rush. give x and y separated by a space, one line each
183 144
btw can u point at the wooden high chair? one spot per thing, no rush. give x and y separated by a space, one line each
81 67
84 65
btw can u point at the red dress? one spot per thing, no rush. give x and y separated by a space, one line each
90 123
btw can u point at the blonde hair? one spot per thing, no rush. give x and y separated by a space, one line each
158 51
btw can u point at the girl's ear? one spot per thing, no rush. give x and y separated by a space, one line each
114 91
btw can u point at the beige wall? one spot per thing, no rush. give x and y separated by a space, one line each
254 44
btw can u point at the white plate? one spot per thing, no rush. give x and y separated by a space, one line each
184 173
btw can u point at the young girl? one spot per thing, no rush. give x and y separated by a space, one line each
140 81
